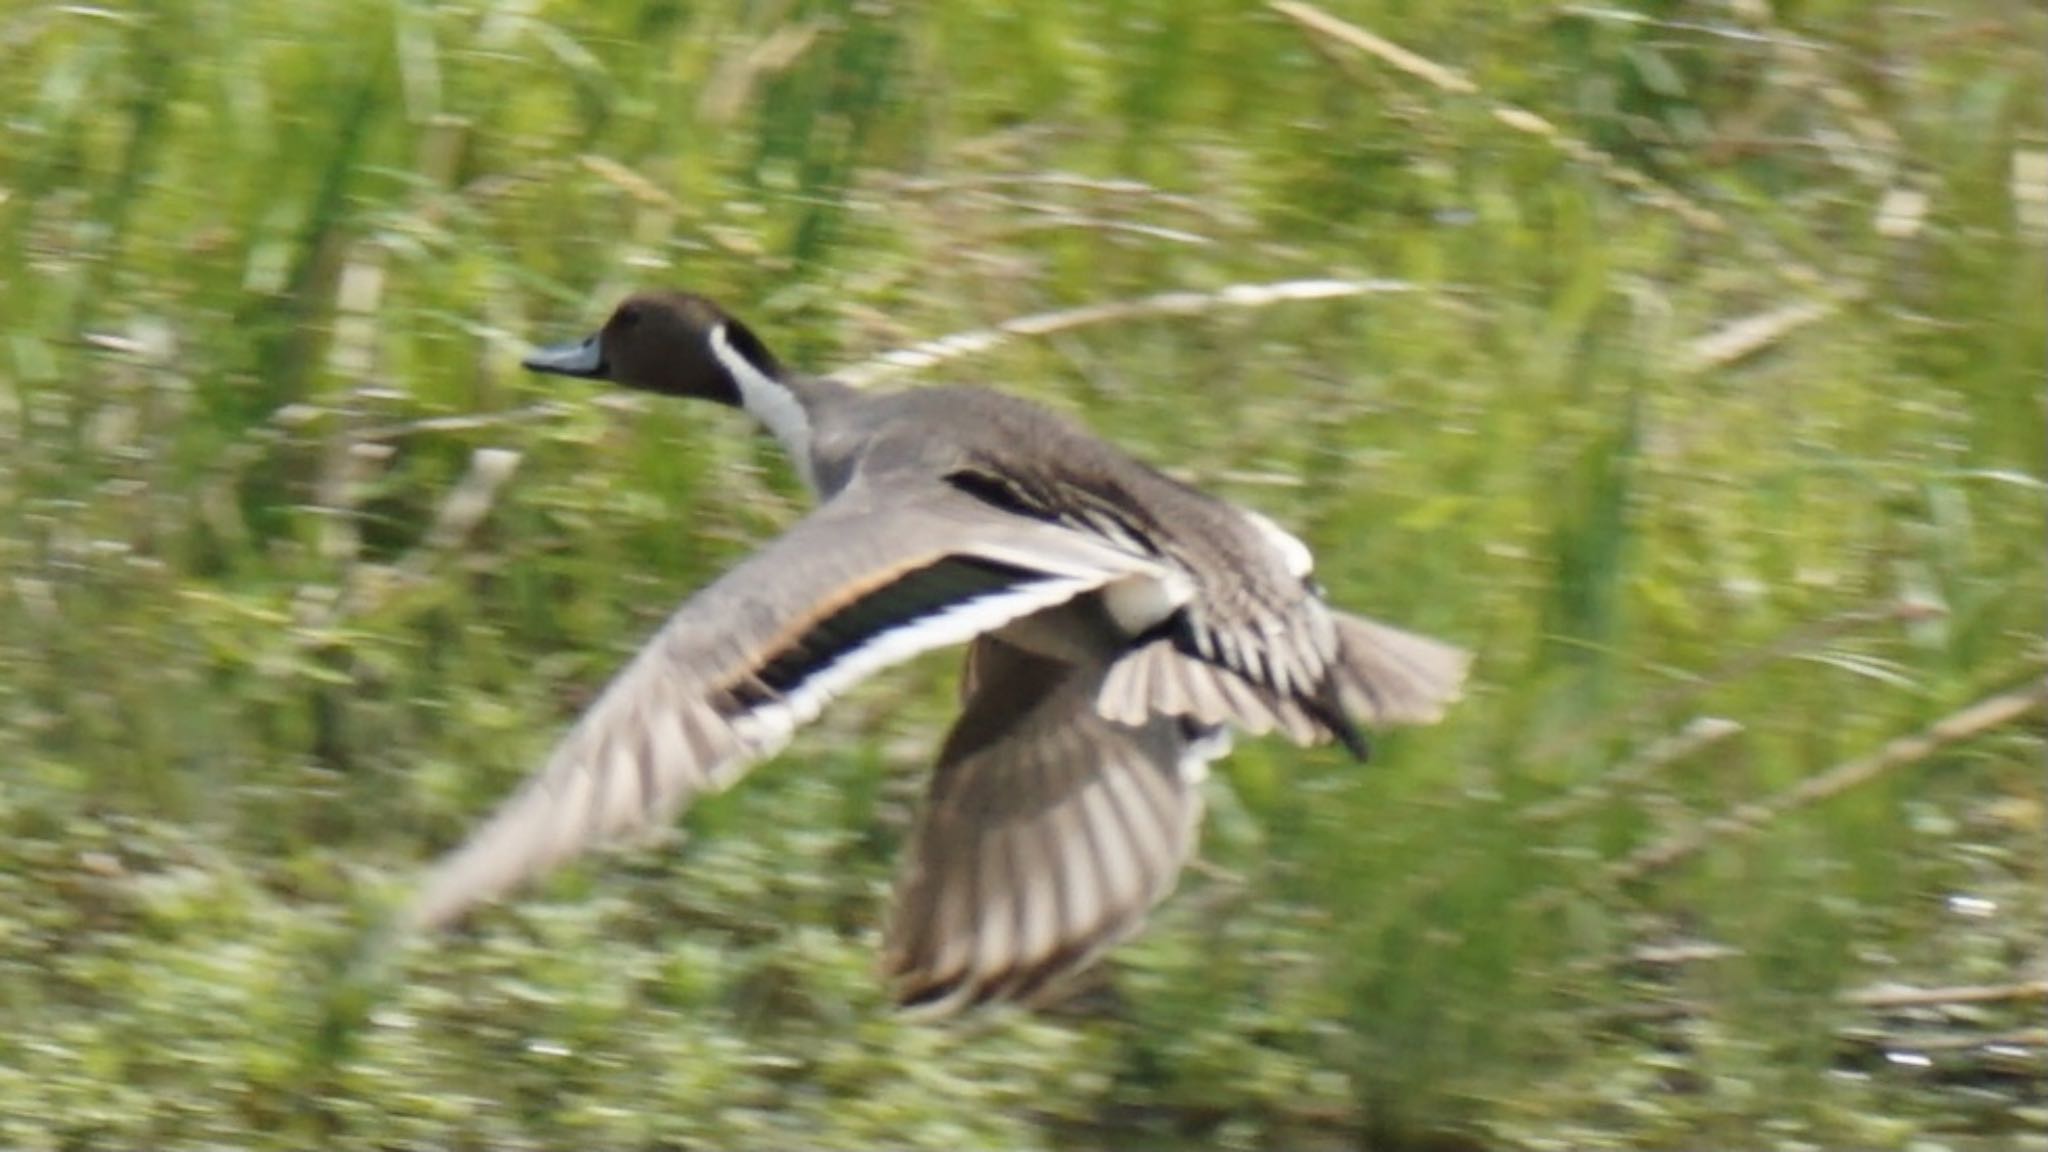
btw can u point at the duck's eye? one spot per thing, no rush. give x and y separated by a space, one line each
627 316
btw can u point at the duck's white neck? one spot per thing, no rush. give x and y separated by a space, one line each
772 402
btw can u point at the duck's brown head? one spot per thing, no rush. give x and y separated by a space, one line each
675 343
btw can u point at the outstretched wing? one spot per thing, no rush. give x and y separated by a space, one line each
1048 835
859 585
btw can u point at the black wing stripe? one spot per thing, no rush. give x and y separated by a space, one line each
910 597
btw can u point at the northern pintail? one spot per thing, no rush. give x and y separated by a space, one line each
1120 626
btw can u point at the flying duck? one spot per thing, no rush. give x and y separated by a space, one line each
1120 626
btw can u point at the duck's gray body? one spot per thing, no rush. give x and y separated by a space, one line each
1122 625
1016 457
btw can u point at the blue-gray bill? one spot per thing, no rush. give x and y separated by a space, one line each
582 358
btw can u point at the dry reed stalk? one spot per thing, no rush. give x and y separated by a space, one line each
1121 188
1938 997
1449 80
1699 733
1984 716
1746 336
929 353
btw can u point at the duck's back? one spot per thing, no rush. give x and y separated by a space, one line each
965 433
1022 457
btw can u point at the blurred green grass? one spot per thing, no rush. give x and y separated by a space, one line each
260 266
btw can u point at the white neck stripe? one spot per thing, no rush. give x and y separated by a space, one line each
769 401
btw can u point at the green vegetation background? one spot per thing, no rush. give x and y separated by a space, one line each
1713 422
